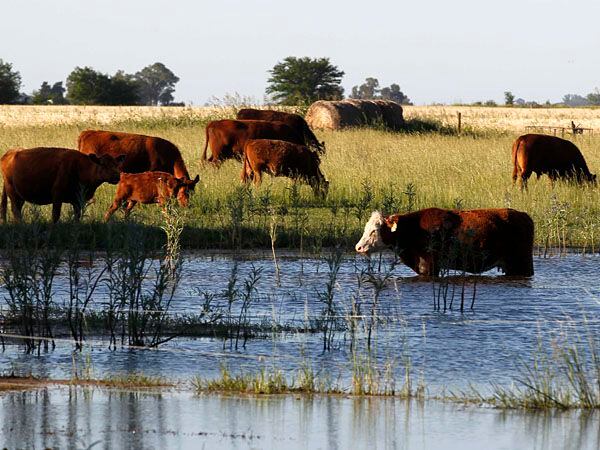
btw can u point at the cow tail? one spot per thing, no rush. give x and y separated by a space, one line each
245 167
205 145
515 151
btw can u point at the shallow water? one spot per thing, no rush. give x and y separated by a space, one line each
492 342
79 417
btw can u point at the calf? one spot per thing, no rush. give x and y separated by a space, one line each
295 121
54 176
283 159
228 137
550 155
473 241
150 187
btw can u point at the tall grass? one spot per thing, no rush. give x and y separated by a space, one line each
367 169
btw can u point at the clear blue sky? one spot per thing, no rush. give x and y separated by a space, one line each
437 50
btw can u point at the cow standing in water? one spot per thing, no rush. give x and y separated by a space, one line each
228 137
473 241
283 159
142 153
54 176
150 187
551 155
294 121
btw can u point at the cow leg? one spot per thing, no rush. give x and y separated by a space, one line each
4 205
115 205
523 180
56 206
129 207
77 208
16 205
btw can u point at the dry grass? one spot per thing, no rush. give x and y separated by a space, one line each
506 118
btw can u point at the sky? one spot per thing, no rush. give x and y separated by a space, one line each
438 51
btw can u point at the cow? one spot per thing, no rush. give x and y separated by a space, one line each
550 155
295 121
472 241
142 153
228 137
54 176
283 159
150 187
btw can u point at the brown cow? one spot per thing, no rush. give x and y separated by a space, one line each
550 155
150 187
142 153
228 137
53 176
295 121
473 241
283 159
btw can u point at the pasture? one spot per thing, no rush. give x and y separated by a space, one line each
368 169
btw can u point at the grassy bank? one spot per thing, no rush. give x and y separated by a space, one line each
368 169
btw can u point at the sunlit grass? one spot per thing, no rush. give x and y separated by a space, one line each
444 170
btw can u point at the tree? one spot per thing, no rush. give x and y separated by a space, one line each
298 81
509 98
574 100
10 83
86 86
394 94
124 89
593 98
156 84
47 94
366 91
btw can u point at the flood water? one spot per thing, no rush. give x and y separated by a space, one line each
512 320
78 418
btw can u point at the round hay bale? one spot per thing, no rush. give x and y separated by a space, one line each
392 114
370 110
333 115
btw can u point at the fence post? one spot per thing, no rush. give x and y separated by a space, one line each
459 122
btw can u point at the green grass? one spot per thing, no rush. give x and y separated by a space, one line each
368 169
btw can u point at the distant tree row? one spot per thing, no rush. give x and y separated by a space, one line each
370 90
153 85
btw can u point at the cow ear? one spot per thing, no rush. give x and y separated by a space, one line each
194 181
94 158
392 223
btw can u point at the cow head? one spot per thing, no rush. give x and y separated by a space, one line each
184 187
378 233
106 168
320 187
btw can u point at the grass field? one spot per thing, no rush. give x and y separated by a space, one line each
368 169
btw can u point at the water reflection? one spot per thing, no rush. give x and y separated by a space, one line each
69 417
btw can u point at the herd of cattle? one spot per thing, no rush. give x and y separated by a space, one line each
150 169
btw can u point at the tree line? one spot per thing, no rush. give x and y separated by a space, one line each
292 81
153 85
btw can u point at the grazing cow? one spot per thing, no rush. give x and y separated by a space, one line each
54 176
150 187
295 121
142 153
228 137
473 241
283 159
550 155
